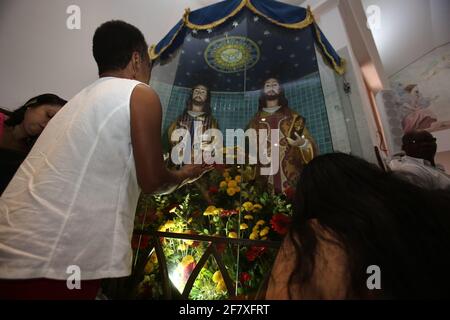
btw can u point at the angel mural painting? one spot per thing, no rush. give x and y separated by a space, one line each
296 145
198 110
416 110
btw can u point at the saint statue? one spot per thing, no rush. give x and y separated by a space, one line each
296 146
198 111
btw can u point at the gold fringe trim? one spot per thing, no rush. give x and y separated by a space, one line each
152 51
339 69
215 23
296 25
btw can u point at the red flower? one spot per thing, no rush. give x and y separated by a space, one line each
135 241
281 223
221 247
289 192
228 213
254 252
213 190
245 277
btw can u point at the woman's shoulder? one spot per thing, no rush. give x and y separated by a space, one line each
329 278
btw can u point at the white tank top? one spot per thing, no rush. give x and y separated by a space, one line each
72 201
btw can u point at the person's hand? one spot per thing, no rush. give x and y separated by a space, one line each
299 141
193 172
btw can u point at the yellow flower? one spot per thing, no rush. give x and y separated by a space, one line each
264 232
187 260
255 229
223 184
169 224
221 287
254 236
248 206
264 238
211 211
217 277
260 223
232 234
243 226
154 258
228 179
248 217
237 189
238 179
149 267
231 192
257 207
232 184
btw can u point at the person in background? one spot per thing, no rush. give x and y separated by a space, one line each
416 163
20 129
351 217
68 214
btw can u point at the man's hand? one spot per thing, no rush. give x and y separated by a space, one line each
193 172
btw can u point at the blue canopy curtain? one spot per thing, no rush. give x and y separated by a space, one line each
279 14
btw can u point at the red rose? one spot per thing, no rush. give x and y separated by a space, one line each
245 277
213 190
228 213
280 223
220 247
254 252
289 192
135 241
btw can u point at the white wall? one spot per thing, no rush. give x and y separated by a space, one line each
409 29
39 54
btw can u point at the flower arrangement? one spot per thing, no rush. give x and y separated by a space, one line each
227 202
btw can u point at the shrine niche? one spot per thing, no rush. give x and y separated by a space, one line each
234 65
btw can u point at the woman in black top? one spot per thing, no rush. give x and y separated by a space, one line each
20 129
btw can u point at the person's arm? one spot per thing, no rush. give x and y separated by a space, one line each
152 174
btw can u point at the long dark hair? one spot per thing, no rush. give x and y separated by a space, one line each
184 117
378 219
207 106
19 114
282 100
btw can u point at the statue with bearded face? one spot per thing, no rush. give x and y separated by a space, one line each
296 145
198 108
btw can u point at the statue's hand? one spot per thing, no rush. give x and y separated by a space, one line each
207 146
299 141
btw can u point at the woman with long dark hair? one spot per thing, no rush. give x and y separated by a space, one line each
349 216
20 129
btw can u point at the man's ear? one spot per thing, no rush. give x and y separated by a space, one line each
135 61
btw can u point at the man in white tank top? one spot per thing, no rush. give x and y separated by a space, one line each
69 210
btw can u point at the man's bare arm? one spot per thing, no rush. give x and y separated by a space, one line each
146 118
